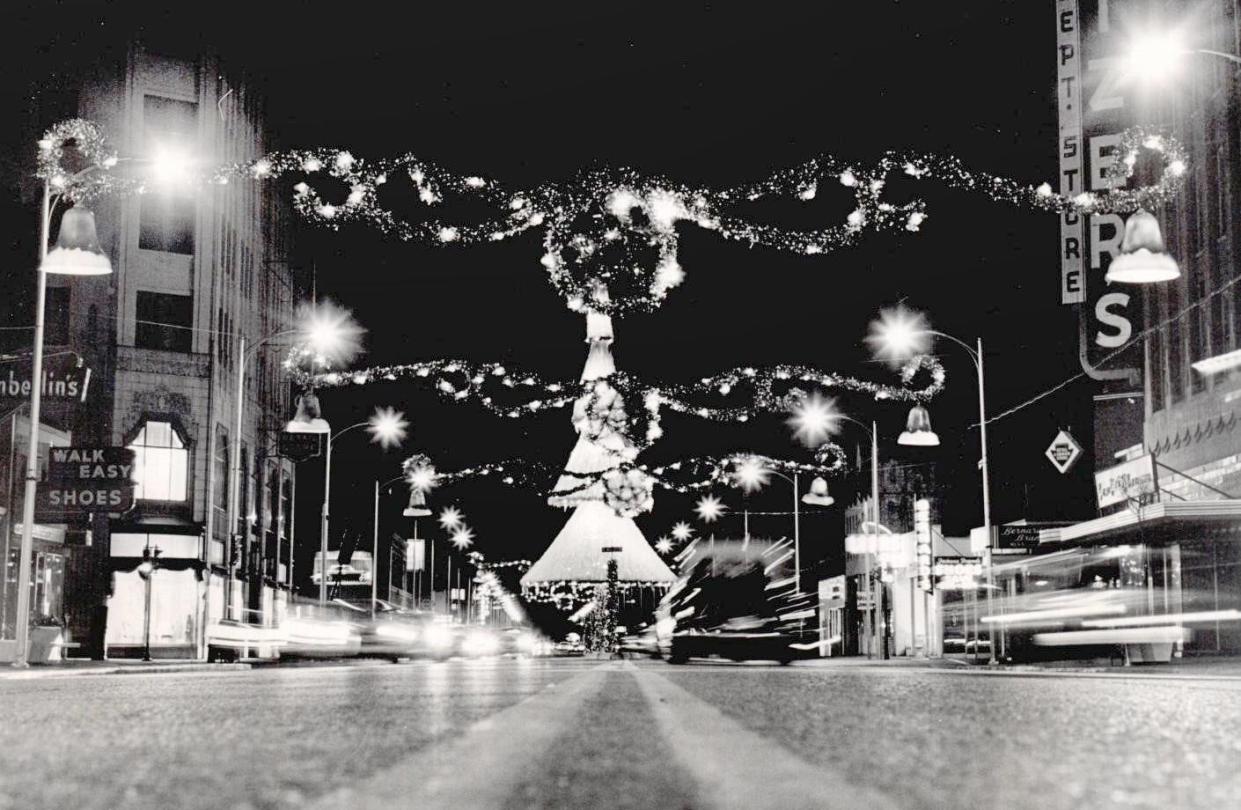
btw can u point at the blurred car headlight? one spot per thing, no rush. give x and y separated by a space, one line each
397 632
439 637
480 643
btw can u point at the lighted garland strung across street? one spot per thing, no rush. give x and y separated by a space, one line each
610 240
575 591
523 394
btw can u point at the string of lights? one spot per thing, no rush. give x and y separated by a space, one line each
610 235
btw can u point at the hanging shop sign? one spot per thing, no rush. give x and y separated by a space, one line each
64 381
297 446
84 480
922 542
415 555
1063 452
1131 481
957 573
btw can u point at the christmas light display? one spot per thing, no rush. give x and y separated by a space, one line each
610 235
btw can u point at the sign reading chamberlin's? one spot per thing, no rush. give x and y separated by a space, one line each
63 381
82 480
1132 479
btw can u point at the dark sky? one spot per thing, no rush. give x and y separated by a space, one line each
709 93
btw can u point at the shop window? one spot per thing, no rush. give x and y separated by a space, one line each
220 499
164 321
161 463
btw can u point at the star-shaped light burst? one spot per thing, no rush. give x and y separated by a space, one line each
422 477
710 508
387 427
463 537
898 335
663 545
451 518
682 531
329 333
814 419
750 474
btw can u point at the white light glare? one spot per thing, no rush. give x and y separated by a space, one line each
330 332
451 518
899 334
682 531
1155 56
387 427
814 419
750 474
710 508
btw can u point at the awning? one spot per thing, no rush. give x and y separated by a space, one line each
1152 522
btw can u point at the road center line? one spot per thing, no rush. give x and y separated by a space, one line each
734 767
480 767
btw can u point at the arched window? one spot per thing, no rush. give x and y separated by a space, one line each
161 463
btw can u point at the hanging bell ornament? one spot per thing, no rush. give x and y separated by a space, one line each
1143 257
417 504
818 495
308 418
918 431
77 251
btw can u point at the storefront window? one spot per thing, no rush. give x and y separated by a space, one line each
161 463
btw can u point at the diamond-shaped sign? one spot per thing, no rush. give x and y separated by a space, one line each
1063 452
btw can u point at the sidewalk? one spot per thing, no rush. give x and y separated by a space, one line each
74 667
1229 667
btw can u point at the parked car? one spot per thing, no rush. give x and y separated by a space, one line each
734 603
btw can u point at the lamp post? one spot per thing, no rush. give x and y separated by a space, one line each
901 333
387 428
146 569
751 474
77 253
375 544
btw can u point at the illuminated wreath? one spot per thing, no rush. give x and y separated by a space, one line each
89 140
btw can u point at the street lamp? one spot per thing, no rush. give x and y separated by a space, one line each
388 429
1157 55
146 569
751 474
331 334
899 334
814 419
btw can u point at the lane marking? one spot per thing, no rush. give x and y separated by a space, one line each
481 767
734 767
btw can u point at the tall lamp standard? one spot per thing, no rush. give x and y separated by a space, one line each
813 420
387 428
77 253
326 333
751 474
900 334
417 484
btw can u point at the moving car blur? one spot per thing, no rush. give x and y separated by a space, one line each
736 602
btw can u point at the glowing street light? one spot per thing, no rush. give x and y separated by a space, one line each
329 333
750 474
388 428
899 334
663 545
710 509
451 518
682 531
1156 55
814 419
463 537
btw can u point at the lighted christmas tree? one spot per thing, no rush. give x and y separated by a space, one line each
602 490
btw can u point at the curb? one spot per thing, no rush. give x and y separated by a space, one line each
129 669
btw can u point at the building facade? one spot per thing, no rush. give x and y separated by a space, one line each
196 267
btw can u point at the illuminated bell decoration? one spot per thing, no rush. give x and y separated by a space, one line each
77 250
417 504
1143 258
308 418
918 431
817 496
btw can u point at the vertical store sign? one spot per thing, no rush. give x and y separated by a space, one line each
922 542
1095 106
1068 102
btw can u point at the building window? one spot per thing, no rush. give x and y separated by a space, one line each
1154 368
220 498
168 210
161 463
1176 346
164 321
56 317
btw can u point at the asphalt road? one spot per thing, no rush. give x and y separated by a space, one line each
564 733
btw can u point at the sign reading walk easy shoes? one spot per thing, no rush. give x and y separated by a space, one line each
1132 480
84 480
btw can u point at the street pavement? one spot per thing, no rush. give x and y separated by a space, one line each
582 733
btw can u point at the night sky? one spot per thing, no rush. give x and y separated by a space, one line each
710 93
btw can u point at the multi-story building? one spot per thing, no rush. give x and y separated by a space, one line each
196 267
1168 505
